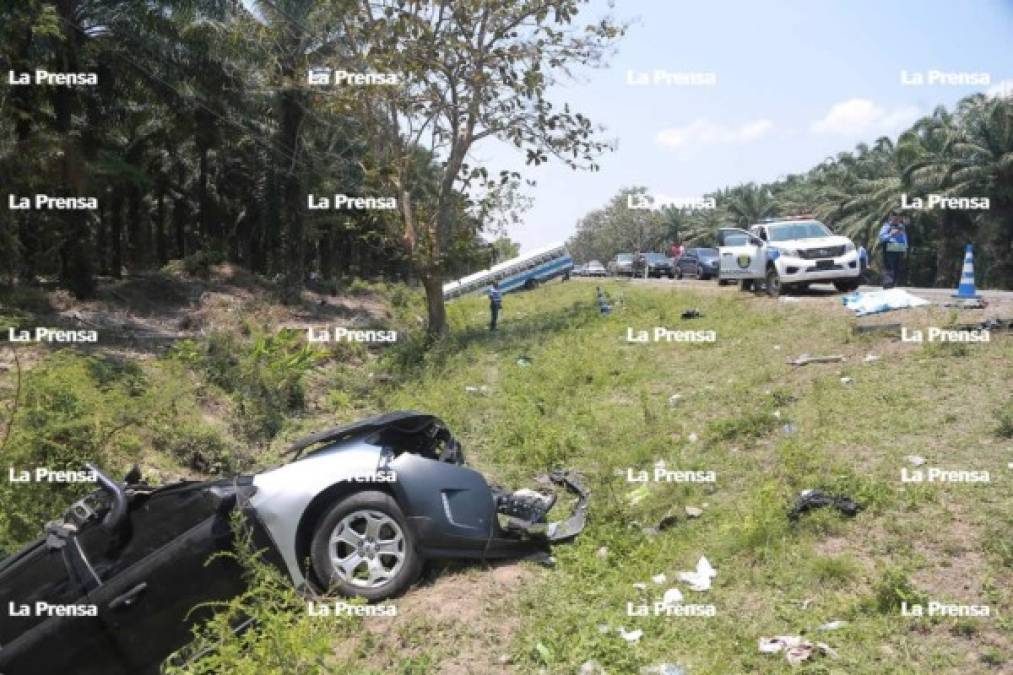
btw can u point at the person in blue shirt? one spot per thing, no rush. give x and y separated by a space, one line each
495 302
893 241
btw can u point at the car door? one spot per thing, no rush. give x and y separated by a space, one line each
155 577
34 641
741 255
687 263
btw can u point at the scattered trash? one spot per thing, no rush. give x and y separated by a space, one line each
632 636
674 399
778 643
814 499
804 603
806 359
973 303
699 580
640 586
847 380
672 597
663 669
591 668
875 302
833 625
870 357
523 361
776 414
693 512
917 460
789 428
650 531
692 314
602 553
693 438
477 390
504 659
777 348
787 299
667 521
659 579
795 648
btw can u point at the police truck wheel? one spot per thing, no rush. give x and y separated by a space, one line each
846 286
774 287
745 285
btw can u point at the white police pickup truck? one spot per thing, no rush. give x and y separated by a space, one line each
786 253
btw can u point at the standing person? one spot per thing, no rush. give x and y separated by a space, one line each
495 303
893 240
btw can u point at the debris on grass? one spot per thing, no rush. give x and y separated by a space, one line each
694 512
692 314
640 586
805 359
659 579
870 357
632 636
602 553
672 597
832 625
591 667
916 460
523 361
477 390
636 495
847 380
814 499
795 648
789 428
674 400
875 302
700 579
667 521
663 669
693 438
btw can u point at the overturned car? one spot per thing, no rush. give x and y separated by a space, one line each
115 586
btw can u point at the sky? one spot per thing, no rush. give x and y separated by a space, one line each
794 83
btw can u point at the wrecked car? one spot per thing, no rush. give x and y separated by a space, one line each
117 583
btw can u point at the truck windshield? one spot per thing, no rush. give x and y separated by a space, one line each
803 230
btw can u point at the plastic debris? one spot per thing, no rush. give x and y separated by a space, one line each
916 460
833 625
640 586
777 348
814 499
693 438
674 400
778 643
672 597
700 579
477 390
875 302
795 648
847 380
591 667
523 361
691 314
659 579
789 428
632 636
694 512
602 553
870 357
776 414
663 669
806 359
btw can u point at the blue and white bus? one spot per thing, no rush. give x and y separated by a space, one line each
524 271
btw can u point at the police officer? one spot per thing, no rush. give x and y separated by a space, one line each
495 303
893 240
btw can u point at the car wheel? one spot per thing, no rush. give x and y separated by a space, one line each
671 274
745 284
846 286
363 547
774 287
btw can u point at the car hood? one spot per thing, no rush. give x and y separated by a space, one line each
812 242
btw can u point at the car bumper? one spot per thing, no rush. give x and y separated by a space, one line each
793 269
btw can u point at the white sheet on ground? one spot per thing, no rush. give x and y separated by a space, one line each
874 302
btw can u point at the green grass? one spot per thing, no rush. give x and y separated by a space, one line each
585 398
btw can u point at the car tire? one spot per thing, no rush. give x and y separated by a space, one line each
847 286
773 282
354 526
671 274
745 285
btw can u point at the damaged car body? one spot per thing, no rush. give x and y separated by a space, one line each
120 580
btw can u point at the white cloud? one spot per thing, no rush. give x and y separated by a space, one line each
860 115
705 132
1000 89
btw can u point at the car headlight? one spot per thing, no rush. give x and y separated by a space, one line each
849 247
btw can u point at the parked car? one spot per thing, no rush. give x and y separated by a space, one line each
595 269
701 263
658 265
579 271
784 253
621 265
117 585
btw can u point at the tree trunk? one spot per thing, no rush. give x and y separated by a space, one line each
435 306
160 242
116 221
293 197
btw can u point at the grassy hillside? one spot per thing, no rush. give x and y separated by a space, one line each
559 386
